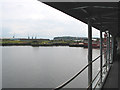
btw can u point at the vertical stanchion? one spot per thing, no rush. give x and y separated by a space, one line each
89 53
109 47
107 58
108 50
101 62
112 50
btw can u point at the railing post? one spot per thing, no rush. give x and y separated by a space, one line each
114 48
109 47
89 53
112 52
108 50
101 61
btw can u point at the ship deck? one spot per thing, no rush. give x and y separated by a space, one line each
112 79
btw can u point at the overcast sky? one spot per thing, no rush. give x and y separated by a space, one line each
33 18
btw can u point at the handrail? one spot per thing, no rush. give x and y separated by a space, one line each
98 80
96 84
93 80
69 80
95 77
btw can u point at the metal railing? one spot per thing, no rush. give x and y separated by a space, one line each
78 73
96 78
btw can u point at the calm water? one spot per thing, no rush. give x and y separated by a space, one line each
44 67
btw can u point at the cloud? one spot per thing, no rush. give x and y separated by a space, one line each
31 17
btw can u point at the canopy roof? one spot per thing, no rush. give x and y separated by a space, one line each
104 15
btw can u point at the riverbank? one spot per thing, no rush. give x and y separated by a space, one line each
44 45
36 43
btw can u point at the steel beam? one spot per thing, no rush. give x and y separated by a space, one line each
89 53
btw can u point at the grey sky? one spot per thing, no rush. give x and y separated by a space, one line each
33 18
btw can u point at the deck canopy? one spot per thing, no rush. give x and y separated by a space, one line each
103 15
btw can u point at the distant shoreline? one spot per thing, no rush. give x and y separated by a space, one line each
46 45
66 41
37 45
